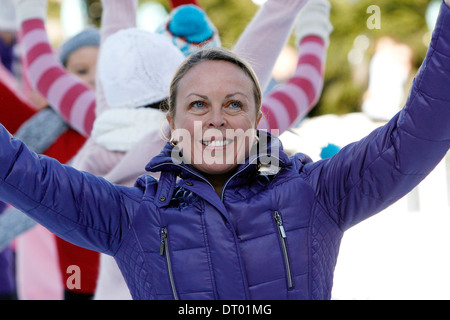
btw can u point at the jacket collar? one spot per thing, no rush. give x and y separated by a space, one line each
268 150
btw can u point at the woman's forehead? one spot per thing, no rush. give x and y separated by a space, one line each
214 75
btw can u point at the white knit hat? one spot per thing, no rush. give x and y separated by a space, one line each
136 67
7 15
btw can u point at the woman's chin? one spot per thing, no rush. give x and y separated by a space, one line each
216 168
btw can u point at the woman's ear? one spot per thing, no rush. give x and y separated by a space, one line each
259 118
170 121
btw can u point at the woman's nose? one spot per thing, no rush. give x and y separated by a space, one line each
216 119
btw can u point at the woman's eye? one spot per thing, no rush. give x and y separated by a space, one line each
235 105
198 104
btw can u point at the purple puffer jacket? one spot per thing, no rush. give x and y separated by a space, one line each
269 236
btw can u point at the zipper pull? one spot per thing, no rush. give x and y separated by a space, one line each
163 241
280 224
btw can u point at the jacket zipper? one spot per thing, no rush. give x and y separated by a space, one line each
165 247
282 234
234 175
164 250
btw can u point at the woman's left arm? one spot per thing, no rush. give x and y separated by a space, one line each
367 176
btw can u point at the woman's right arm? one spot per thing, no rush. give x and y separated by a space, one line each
74 205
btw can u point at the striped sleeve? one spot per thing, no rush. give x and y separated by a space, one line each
284 105
72 99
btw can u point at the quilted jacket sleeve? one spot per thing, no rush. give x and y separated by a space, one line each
77 206
367 176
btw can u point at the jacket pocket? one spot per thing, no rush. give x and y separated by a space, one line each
164 251
283 241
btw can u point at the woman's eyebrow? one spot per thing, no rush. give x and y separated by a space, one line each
230 95
234 94
198 95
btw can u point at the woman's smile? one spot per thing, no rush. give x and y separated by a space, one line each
217 144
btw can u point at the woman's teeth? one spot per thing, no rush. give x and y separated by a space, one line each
216 143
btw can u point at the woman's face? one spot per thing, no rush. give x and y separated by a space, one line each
215 116
83 63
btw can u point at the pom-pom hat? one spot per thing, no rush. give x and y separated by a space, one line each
136 67
190 29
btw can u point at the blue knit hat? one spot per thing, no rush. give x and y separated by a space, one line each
88 37
190 29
